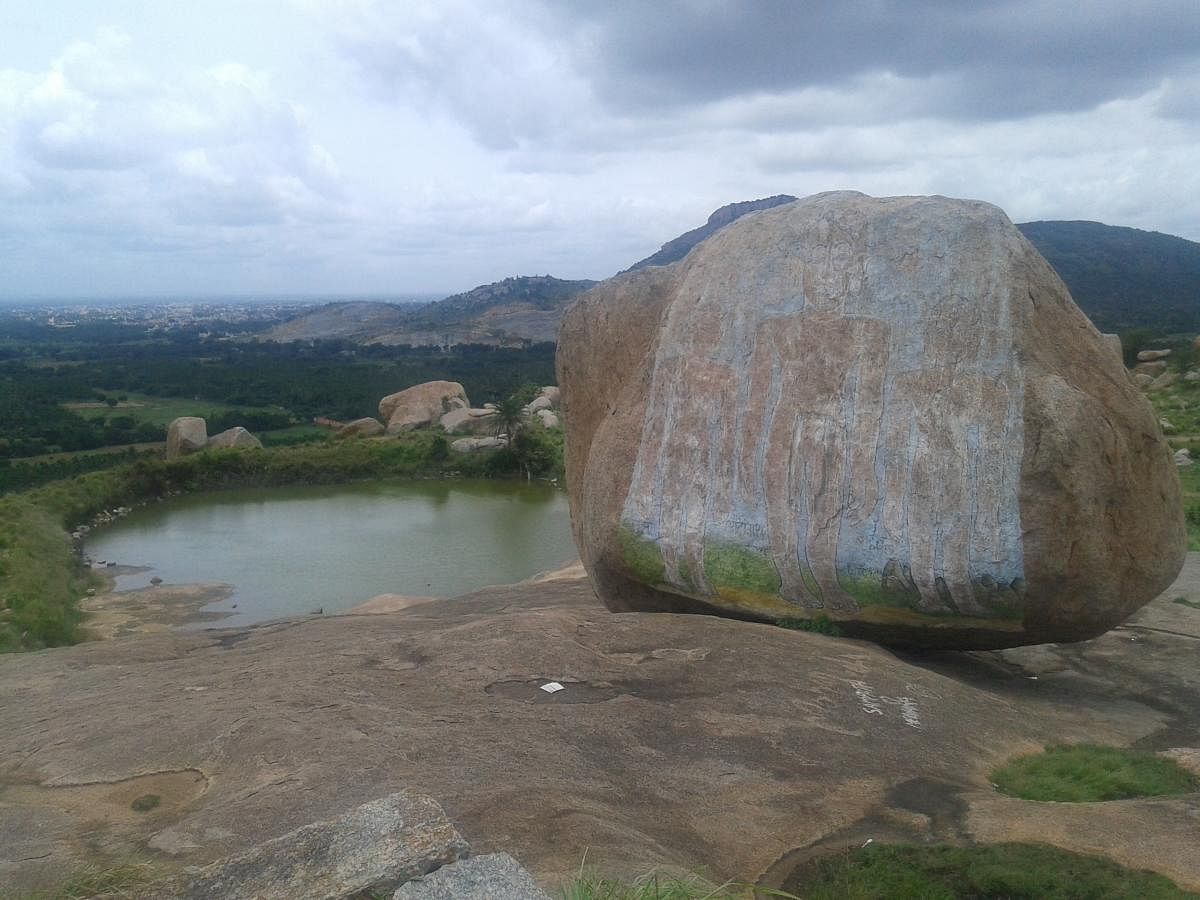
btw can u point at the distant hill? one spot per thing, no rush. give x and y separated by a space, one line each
512 311
1123 277
680 247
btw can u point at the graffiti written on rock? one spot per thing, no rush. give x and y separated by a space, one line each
874 705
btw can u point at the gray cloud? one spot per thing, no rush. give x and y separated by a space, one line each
1012 58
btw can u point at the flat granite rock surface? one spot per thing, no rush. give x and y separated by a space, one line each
678 740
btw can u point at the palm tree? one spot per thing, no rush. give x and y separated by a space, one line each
510 417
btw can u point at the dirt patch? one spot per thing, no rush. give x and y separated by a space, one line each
151 610
134 802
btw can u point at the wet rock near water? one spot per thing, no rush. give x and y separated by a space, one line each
887 412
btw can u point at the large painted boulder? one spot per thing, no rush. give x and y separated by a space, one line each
421 404
887 412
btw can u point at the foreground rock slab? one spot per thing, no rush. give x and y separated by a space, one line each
681 741
886 412
494 876
376 847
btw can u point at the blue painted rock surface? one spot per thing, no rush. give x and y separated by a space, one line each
885 412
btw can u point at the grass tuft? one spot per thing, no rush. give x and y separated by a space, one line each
1086 773
909 872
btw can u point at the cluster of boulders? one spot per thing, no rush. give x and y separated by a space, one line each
444 404
104 517
1150 373
189 434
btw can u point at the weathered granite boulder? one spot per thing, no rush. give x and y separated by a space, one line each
548 418
187 434
553 394
465 420
1152 355
374 848
421 404
471 444
493 876
365 427
1154 368
234 437
1165 380
884 411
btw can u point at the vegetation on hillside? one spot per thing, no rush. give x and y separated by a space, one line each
1124 278
99 385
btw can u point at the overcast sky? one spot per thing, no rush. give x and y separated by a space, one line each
395 147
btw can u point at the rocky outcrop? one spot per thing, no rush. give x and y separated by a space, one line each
374 848
187 434
1153 368
365 427
797 738
422 404
234 437
887 411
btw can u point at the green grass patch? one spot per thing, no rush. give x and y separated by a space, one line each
642 556
907 872
1086 773
126 879
728 565
157 411
656 886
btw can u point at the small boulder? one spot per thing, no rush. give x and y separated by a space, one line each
553 394
538 404
1191 375
548 418
470 445
1152 355
1166 426
234 437
1143 381
1154 368
422 404
187 434
1165 380
469 421
365 427
1183 457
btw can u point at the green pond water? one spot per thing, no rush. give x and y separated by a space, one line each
287 551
